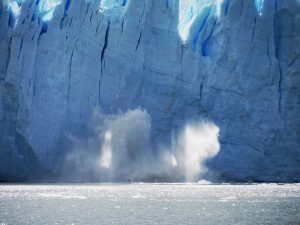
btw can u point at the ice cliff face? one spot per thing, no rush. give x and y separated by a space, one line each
235 62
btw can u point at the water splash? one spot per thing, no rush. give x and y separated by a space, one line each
198 142
106 154
121 149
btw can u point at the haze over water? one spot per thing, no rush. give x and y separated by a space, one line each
150 204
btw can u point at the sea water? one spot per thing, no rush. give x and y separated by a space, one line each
149 204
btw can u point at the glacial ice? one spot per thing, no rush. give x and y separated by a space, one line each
192 11
233 62
45 8
116 7
259 6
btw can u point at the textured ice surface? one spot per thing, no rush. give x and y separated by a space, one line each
259 6
45 8
235 62
192 11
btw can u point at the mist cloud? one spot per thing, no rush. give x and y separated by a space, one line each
120 149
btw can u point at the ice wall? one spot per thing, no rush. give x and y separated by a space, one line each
234 62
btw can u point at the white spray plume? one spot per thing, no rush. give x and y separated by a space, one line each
106 154
126 141
120 149
197 143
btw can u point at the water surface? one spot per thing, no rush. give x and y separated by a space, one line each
150 204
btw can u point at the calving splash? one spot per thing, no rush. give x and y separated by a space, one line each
121 149
197 143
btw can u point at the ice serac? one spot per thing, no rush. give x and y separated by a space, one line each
235 62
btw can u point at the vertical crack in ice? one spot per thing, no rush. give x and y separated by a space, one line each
277 29
226 7
102 59
105 42
138 42
205 49
279 87
203 18
254 27
70 73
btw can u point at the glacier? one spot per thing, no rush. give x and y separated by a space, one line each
233 62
